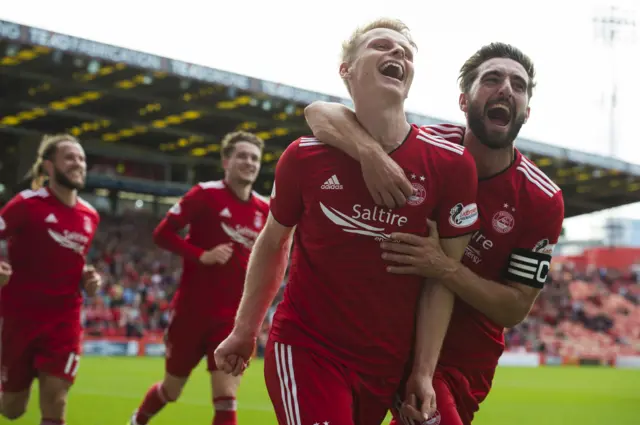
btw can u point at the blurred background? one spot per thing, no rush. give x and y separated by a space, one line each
150 91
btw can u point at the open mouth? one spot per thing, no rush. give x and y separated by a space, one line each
393 70
499 114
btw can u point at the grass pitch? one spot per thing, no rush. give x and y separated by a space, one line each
109 389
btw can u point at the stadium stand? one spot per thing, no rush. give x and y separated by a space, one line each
152 127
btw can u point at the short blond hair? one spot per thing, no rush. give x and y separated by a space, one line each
47 151
229 141
350 45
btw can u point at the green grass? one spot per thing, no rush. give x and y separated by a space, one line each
109 389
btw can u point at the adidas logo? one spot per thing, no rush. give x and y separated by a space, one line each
225 213
51 219
332 184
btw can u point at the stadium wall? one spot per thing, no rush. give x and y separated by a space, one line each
154 347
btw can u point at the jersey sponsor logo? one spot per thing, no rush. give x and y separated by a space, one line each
332 183
88 225
478 244
544 247
74 241
355 222
3 224
258 220
51 218
463 215
240 234
503 222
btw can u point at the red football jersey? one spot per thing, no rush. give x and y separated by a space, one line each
47 244
340 301
521 212
215 215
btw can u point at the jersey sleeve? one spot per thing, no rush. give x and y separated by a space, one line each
286 203
13 217
178 217
457 214
530 260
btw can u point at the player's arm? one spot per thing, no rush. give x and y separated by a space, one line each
457 218
337 125
509 303
434 313
269 257
166 234
13 217
265 273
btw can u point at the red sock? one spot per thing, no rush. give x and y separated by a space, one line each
225 411
52 422
153 402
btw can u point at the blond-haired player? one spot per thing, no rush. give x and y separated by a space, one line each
344 331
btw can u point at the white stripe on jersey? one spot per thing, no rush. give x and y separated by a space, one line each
536 181
432 140
215 184
444 130
309 141
539 173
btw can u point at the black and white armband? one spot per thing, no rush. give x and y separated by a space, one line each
528 267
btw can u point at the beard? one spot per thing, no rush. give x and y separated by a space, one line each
475 119
64 181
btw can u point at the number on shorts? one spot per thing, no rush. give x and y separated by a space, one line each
73 362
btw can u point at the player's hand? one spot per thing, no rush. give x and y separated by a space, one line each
418 255
385 179
5 273
91 280
420 398
234 353
217 255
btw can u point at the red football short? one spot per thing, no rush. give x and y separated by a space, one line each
188 339
458 396
28 348
308 388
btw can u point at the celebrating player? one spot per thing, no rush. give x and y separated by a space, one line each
521 215
224 219
344 330
48 232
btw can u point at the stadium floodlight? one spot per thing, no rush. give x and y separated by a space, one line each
614 27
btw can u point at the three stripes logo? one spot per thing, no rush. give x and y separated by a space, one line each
332 184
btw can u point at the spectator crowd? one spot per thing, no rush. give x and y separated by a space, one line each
593 313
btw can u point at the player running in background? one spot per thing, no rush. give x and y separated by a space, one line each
48 232
521 213
341 336
224 219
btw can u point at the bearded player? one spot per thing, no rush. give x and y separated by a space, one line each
224 219
341 336
48 232
521 215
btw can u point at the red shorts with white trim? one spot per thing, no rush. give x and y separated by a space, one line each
27 349
306 388
188 339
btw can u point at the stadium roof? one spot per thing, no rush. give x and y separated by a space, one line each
149 108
